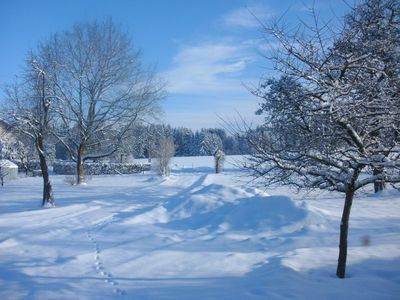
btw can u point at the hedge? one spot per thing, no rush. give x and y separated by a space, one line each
99 168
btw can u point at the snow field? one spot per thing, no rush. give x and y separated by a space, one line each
194 235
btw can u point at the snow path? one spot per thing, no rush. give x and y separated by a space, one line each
195 235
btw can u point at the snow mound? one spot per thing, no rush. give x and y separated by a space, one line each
218 207
203 199
253 213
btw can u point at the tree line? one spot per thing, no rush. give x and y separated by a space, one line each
188 142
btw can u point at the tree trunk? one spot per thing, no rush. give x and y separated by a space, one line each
344 229
80 177
217 165
48 198
379 185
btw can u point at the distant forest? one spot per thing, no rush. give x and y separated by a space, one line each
143 141
187 142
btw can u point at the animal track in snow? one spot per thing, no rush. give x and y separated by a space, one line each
99 266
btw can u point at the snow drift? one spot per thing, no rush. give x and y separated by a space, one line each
255 213
214 206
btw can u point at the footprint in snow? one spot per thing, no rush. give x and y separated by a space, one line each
99 266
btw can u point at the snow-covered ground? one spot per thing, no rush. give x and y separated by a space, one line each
195 235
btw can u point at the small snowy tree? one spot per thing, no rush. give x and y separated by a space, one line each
219 158
165 150
332 119
212 145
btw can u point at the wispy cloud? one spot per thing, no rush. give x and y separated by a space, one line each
246 17
209 68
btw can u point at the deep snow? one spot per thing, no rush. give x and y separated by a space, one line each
195 235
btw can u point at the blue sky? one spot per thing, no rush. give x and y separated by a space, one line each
206 50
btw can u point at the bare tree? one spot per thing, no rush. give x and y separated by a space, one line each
102 89
333 115
29 109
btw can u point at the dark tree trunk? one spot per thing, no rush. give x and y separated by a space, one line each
344 230
379 185
48 198
80 175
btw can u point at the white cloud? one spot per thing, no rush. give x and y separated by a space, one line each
209 68
247 17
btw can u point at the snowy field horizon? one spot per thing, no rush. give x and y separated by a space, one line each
193 235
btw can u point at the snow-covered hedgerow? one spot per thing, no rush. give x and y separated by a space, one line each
99 168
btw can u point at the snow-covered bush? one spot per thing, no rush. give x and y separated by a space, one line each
164 152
